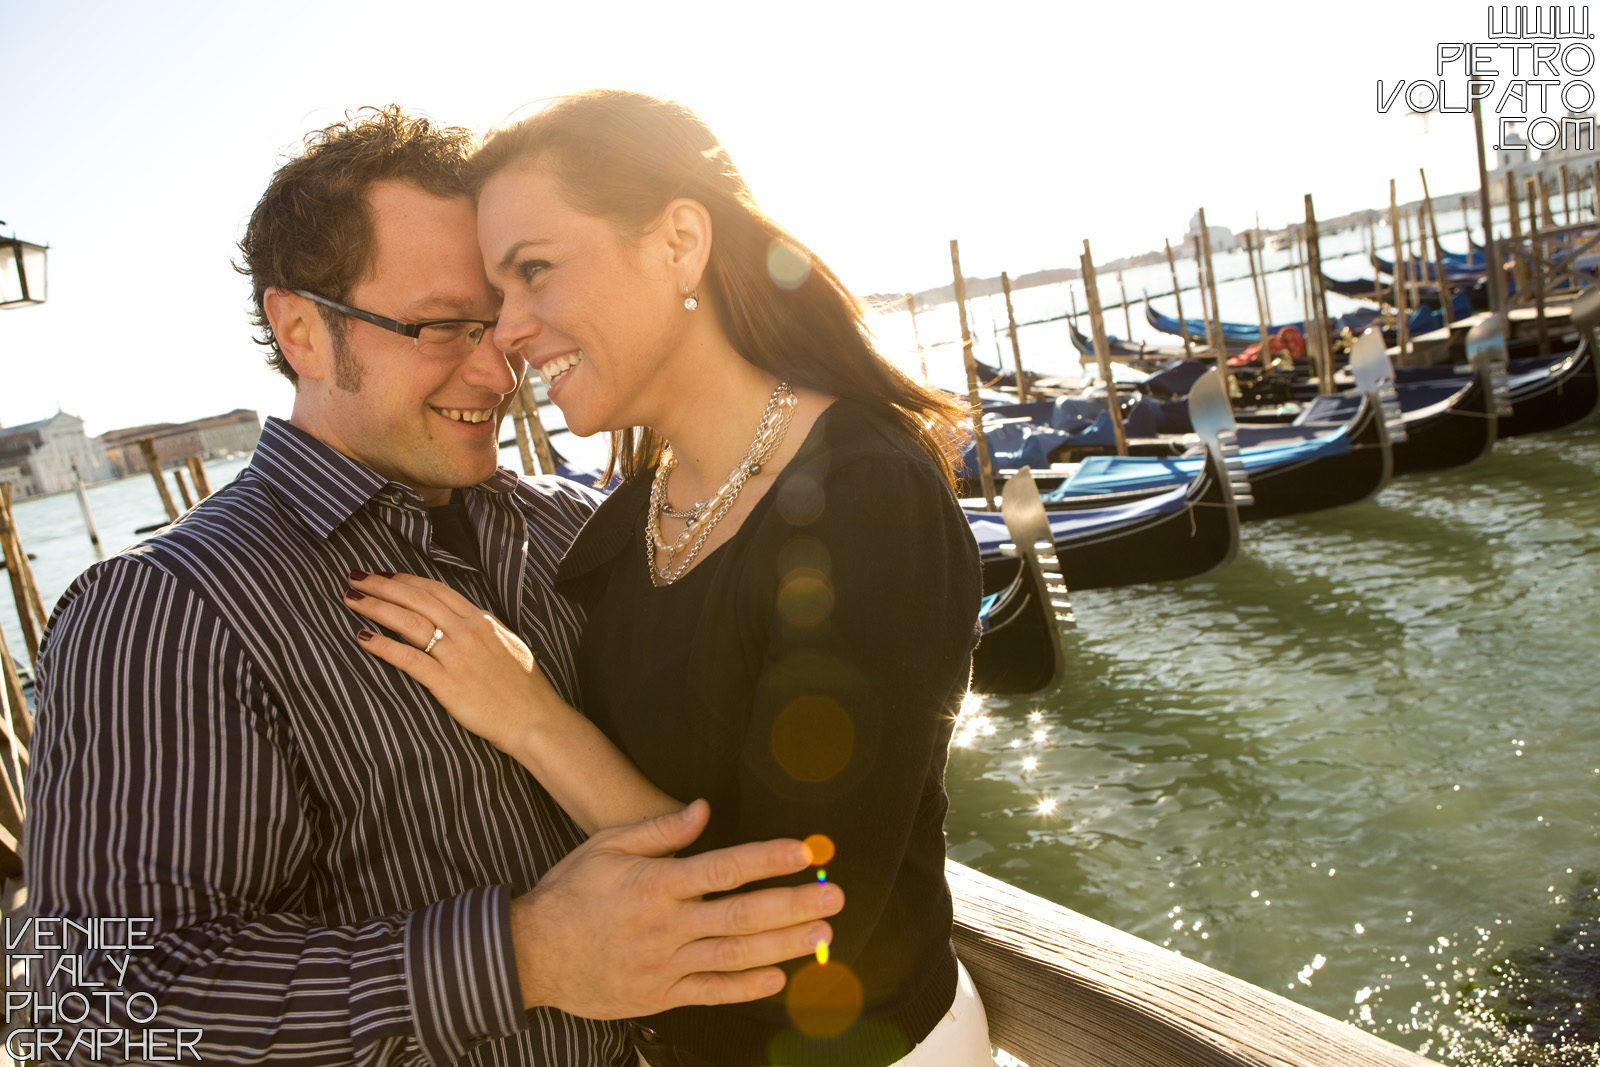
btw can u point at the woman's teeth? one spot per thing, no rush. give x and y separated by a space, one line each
560 365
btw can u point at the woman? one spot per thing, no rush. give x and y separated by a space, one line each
781 594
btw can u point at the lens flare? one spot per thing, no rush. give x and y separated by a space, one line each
823 1001
821 847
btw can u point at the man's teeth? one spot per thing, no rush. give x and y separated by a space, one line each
559 366
465 416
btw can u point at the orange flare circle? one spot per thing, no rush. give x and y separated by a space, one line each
823 1001
821 848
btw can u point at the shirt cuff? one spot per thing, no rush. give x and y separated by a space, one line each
461 973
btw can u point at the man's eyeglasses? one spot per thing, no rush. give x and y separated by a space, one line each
440 338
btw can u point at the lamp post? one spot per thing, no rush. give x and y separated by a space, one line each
22 273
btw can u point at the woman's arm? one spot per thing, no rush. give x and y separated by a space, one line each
486 678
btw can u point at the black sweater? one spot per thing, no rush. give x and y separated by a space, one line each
804 678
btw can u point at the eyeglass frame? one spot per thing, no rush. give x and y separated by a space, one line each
412 330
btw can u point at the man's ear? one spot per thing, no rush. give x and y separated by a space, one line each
302 336
686 228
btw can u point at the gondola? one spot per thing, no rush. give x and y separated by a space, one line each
1181 533
1125 350
1292 469
1241 335
1466 296
1546 392
1449 422
1023 616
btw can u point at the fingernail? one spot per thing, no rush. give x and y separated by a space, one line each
832 896
387 574
365 635
800 856
354 594
358 576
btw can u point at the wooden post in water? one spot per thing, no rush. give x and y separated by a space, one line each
979 440
1200 287
1466 223
1497 281
1536 269
1102 351
1220 342
1402 311
1016 349
1261 307
1372 251
1519 270
1319 303
1172 268
16 732
1410 266
1594 190
88 516
1446 299
147 446
197 474
1127 320
519 429
1261 254
1566 205
30 608
16 705
183 488
922 355
1545 217
536 431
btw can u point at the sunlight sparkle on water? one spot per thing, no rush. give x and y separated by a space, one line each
1047 806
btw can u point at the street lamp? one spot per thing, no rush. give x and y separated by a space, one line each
22 278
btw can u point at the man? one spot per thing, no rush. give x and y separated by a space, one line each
336 872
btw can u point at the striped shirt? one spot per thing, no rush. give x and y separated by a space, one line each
328 857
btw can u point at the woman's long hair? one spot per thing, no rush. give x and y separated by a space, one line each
625 156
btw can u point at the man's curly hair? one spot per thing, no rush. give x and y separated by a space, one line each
311 229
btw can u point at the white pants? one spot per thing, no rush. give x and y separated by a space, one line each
960 1039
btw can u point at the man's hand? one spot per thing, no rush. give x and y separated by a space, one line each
618 928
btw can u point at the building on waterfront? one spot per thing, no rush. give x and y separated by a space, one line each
212 437
42 457
1519 154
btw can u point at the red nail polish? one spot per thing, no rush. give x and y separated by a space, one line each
354 594
365 635
387 574
357 576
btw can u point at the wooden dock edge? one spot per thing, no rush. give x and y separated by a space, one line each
1063 990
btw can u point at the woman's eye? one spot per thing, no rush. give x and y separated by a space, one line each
529 269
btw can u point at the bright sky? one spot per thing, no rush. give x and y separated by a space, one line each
138 137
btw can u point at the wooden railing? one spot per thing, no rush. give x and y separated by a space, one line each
1062 990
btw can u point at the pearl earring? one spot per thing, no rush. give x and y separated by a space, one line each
691 300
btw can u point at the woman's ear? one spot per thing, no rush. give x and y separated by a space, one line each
686 228
302 336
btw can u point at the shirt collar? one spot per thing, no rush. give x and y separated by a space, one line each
322 487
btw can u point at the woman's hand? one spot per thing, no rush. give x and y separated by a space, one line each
487 679
481 672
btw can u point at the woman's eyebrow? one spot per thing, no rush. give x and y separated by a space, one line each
511 253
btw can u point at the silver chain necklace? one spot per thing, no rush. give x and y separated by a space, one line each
678 555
